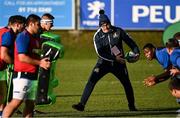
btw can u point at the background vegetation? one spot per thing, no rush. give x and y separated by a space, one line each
79 44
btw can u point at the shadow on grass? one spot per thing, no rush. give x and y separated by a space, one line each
164 112
94 94
144 112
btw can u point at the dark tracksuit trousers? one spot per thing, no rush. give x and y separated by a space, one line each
102 68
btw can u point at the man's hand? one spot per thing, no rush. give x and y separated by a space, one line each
137 55
174 72
45 63
120 59
149 81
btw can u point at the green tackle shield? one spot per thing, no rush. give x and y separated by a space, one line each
52 50
46 78
48 36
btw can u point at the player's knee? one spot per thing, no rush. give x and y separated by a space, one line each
15 103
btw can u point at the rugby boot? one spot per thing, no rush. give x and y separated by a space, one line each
132 108
79 107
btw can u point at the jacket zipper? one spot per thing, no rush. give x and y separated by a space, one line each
110 43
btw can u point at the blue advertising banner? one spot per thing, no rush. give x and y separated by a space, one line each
89 12
131 14
146 14
62 10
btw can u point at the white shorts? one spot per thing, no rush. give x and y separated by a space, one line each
24 89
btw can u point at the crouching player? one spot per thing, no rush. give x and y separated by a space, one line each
25 68
174 84
162 56
173 59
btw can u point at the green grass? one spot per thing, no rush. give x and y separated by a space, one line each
108 97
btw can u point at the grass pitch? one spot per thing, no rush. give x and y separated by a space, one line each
108 98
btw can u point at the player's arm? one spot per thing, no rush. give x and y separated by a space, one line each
153 80
7 42
175 71
22 45
162 77
44 63
5 55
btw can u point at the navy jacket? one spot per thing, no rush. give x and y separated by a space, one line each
103 42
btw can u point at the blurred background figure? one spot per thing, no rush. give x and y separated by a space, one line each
177 37
16 24
3 65
47 22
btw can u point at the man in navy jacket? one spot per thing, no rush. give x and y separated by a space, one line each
108 43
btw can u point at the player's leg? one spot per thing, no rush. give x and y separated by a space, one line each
11 107
3 91
3 94
28 108
30 98
98 72
20 87
9 73
121 72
